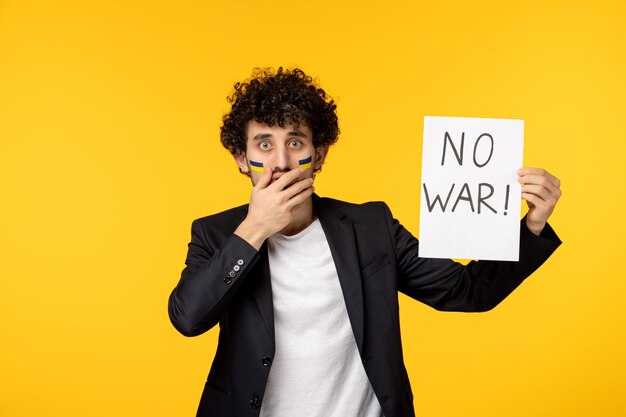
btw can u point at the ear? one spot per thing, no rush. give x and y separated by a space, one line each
242 162
320 157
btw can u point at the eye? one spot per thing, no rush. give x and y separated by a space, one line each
265 145
295 144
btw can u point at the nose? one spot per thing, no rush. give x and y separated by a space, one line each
281 161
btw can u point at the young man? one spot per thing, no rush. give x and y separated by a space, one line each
305 288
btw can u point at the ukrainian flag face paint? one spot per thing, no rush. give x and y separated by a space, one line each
305 163
256 166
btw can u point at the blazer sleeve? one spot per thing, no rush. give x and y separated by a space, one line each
215 269
478 286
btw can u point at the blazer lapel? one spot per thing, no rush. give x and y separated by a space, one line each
339 232
263 291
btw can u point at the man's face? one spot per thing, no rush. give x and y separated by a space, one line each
279 149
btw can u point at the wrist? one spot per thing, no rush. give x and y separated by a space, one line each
252 233
535 227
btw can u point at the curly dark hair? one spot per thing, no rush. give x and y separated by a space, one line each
280 98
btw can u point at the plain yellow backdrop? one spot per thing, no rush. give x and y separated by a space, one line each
109 148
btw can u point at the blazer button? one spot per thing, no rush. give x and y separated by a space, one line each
227 280
240 262
255 403
266 361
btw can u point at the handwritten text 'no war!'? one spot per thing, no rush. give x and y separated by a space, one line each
481 200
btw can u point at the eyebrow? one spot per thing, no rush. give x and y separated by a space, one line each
297 133
262 136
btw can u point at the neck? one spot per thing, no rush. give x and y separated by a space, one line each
303 216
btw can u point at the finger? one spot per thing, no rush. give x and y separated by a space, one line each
297 187
528 171
540 192
538 180
265 179
287 178
300 197
539 172
535 201
555 192
532 171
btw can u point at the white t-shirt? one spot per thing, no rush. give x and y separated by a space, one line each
316 370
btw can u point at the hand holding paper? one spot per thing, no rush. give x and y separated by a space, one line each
541 191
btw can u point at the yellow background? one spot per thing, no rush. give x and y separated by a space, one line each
109 148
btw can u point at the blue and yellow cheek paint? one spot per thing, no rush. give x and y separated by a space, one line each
256 166
303 163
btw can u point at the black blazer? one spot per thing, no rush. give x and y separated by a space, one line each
227 281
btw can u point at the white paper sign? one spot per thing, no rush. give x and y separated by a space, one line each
470 198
